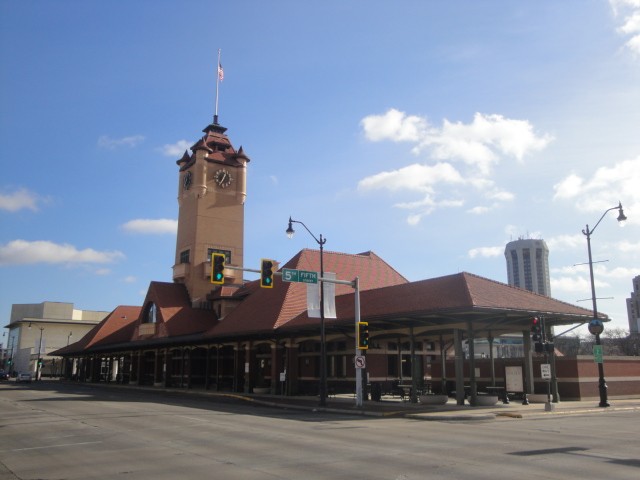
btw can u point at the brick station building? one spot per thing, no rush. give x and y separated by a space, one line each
242 338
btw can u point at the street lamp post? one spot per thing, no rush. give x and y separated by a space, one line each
11 346
323 347
39 353
602 384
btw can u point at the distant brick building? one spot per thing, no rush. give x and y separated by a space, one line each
633 307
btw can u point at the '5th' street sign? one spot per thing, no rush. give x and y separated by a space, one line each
300 276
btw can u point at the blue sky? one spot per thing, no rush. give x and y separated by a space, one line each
432 133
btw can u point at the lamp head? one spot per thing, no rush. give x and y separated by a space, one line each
621 216
290 230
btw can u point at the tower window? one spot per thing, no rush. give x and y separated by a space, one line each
515 269
184 256
528 275
226 253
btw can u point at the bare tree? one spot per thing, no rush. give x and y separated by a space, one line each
618 341
568 345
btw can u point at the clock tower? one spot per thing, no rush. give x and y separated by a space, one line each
211 192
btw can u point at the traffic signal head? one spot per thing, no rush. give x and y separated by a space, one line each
266 273
536 329
217 268
363 335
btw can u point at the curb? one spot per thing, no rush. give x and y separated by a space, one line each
447 416
451 418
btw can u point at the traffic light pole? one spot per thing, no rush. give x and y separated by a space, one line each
359 385
355 284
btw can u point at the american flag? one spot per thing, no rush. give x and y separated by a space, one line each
220 72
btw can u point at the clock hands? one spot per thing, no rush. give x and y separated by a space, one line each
223 178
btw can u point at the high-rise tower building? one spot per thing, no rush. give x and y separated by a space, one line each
528 265
633 307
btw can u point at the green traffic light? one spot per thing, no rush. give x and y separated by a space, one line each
266 273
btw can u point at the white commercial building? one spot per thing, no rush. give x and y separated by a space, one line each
38 328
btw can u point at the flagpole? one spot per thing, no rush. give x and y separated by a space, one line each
215 116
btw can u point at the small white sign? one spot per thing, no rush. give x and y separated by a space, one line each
283 376
545 371
514 379
361 361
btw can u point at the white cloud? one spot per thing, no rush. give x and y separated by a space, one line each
501 195
568 187
425 207
629 247
631 24
176 149
481 142
19 200
486 252
566 242
479 210
416 177
22 252
621 273
479 146
129 279
148 226
394 125
105 141
575 285
414 219
604 189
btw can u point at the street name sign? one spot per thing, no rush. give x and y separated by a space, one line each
300 276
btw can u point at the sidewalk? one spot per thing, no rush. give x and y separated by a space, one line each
389 407
395 407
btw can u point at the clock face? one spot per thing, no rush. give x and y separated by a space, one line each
223 178
186 182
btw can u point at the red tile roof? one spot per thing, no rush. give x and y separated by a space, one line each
449 295
267 309
117 327
385 296
175 315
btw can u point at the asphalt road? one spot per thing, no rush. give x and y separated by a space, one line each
59 431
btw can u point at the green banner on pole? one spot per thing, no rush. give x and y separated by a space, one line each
597 353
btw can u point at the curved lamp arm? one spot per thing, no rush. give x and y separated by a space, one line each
621 218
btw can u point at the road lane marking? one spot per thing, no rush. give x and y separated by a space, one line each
51 446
